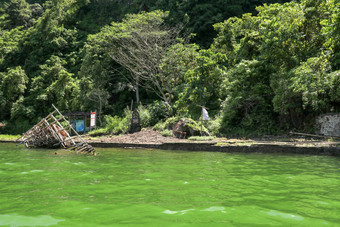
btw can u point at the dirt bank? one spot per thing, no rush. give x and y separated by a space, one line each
149 138
146 136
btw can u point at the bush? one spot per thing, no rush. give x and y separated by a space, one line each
114 125
159 126
201 138
166 132
159 110
214 126
117 125
191 128
170 123
124 125
196 126
256 120
145 116
98 132
167 125
18 126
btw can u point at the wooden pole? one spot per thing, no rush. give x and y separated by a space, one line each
202 123
95 120
88 147
84 131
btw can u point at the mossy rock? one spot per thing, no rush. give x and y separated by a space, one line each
170 123
187 127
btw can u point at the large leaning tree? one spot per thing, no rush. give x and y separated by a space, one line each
138 44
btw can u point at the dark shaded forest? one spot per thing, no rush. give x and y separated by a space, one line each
260 66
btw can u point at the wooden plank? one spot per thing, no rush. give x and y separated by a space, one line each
79 137
50 132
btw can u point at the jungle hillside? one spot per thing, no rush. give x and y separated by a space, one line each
260 67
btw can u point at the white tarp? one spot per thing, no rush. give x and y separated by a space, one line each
205 114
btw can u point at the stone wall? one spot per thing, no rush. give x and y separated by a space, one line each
328 124
212 147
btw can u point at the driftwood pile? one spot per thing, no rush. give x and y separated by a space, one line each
54 131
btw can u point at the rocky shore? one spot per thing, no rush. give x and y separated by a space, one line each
151 139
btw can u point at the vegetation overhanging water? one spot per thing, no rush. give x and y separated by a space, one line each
153 187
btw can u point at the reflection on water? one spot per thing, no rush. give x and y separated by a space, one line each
149 187
20 220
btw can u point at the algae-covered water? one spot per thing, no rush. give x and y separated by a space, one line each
166 188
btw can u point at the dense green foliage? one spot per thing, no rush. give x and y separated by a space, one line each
259 69
283 65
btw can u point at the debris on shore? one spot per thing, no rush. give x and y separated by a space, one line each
54 131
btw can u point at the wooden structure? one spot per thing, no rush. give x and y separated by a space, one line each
79 117
54 131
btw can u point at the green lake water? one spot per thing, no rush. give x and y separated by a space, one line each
166 188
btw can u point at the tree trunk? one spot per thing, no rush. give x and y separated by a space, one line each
137 94
137 90
100 112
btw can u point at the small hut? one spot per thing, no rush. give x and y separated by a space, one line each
80 121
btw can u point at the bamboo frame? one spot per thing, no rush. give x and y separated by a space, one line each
50 132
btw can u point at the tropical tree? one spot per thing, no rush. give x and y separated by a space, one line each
289 51
18 13
54 85
203 84
13 84
138 43
174 65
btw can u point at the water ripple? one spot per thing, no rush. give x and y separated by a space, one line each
21 220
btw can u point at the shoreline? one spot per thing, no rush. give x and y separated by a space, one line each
151 139
258 148
214 147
